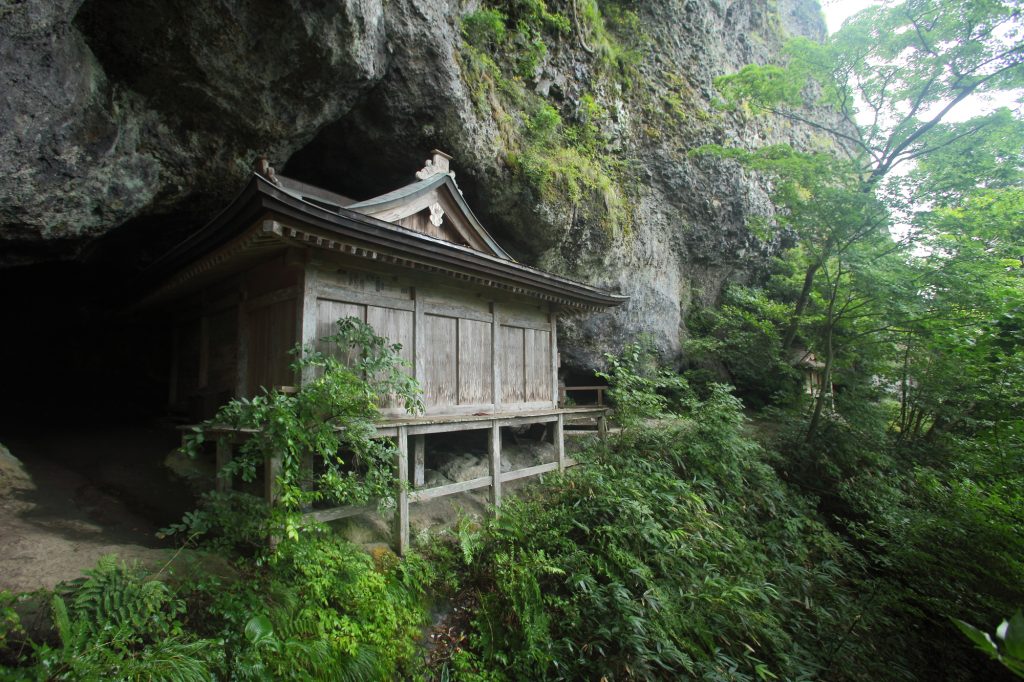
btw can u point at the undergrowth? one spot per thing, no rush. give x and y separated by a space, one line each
674 552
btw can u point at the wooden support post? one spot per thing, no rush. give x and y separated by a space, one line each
494 448
271 469
307 318
401 532
602 425
560 441
224 455
419 449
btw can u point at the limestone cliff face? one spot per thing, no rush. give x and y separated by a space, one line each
141 117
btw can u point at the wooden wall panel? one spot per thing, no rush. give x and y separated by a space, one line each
513 379
327 315
440 380
272 333
271 276
537 347
223 350
396 325
474 362
187 360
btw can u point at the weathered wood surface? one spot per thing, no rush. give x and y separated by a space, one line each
224 456
402 492
537 355
441 379
475 363
494 462
419 450
449 489
513 367
560 441
528 471
415 427
272 333
336 513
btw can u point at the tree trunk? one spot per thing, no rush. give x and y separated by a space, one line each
826 379
801 304
826 385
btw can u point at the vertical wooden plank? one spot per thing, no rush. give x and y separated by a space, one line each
475 364
440 386
222 353
224 456
272 333
553 316
602 426
307 317
419 449
513 361
494 449
419 333
204 351
172 387
242 349
537 367
496 352
402 513
560 441
395 325
327 316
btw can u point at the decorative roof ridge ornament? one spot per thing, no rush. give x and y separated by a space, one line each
436 165
264 168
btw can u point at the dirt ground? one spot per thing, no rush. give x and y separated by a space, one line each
66 499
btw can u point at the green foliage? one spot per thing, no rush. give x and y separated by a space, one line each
892 73
330 421
613 34
742 334
10 622
314 608
118 624
562 155
567 161
1009 650
675 553
516 29
639 389
485 29
321 609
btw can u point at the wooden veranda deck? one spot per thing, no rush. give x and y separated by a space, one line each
410 488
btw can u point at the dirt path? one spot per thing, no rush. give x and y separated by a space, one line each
55 521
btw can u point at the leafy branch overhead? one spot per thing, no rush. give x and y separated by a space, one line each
891 76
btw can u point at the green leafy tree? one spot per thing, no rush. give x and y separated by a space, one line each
324 435
882 87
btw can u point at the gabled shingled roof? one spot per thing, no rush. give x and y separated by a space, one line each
269 213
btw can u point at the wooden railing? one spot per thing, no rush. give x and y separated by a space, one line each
564 390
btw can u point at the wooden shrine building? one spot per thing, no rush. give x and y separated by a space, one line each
284 261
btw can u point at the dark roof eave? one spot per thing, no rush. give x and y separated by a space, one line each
260 196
